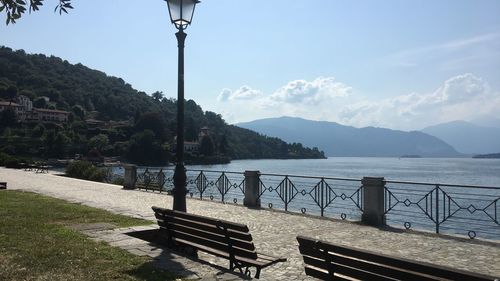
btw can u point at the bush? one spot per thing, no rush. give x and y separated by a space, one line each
4 157
10 161
118 181
86 171
13 163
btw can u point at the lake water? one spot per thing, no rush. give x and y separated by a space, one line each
461 171
451 209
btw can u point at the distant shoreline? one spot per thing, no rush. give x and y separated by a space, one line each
487 156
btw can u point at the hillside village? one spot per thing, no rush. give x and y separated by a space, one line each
23 107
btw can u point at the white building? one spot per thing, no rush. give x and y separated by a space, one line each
25 102
51 115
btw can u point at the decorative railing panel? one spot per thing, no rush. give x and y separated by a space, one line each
153 179
329 197
456 209
442 208
227 187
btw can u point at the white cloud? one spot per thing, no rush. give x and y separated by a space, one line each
320 90
463 97
224 95
243 93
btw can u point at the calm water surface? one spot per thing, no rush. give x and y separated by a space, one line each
464 171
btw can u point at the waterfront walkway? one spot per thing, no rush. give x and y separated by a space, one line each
273 232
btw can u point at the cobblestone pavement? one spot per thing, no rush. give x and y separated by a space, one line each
274 232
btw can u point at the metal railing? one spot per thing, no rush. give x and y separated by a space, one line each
216 185
152 179
323 196
458 209
442 208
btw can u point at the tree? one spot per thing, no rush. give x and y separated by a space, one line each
157 95
98 142
191 130
145 149
28 94
154 122
49 139
40 102
61 143
207 146
79 111
38 131
223 145
9 93
8 118
14 9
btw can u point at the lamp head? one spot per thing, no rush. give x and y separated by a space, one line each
181 12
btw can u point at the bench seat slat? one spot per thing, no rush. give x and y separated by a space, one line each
310 271
249 246
192 217
357 273
244 236
427 270
364 270
310 257
262 263
213 244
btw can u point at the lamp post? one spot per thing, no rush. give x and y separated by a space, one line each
181 13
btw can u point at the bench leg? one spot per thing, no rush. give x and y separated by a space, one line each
233 265
257 273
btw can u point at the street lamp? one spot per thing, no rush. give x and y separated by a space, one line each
181 15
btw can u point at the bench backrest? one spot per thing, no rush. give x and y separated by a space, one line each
219 235
322 259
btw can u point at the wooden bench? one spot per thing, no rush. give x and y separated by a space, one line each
327 261
3 185
29 167
42 169
224 239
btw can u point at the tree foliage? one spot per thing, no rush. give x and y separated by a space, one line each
207 147
138 127
15 9
99 142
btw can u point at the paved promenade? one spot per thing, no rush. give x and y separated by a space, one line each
274 232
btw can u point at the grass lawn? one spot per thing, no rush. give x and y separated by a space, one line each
36 245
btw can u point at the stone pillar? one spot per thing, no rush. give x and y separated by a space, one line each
130 176
373 201
252 194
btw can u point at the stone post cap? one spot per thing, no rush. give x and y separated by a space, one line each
373 181
129 166
252 173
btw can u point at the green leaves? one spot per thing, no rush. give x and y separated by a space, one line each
35 4
14 9
63 6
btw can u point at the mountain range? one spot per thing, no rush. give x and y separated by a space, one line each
339 140
467 137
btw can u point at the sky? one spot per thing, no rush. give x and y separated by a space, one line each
395 64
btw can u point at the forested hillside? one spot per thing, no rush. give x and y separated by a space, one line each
111 118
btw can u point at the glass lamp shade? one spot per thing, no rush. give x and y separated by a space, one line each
181 12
